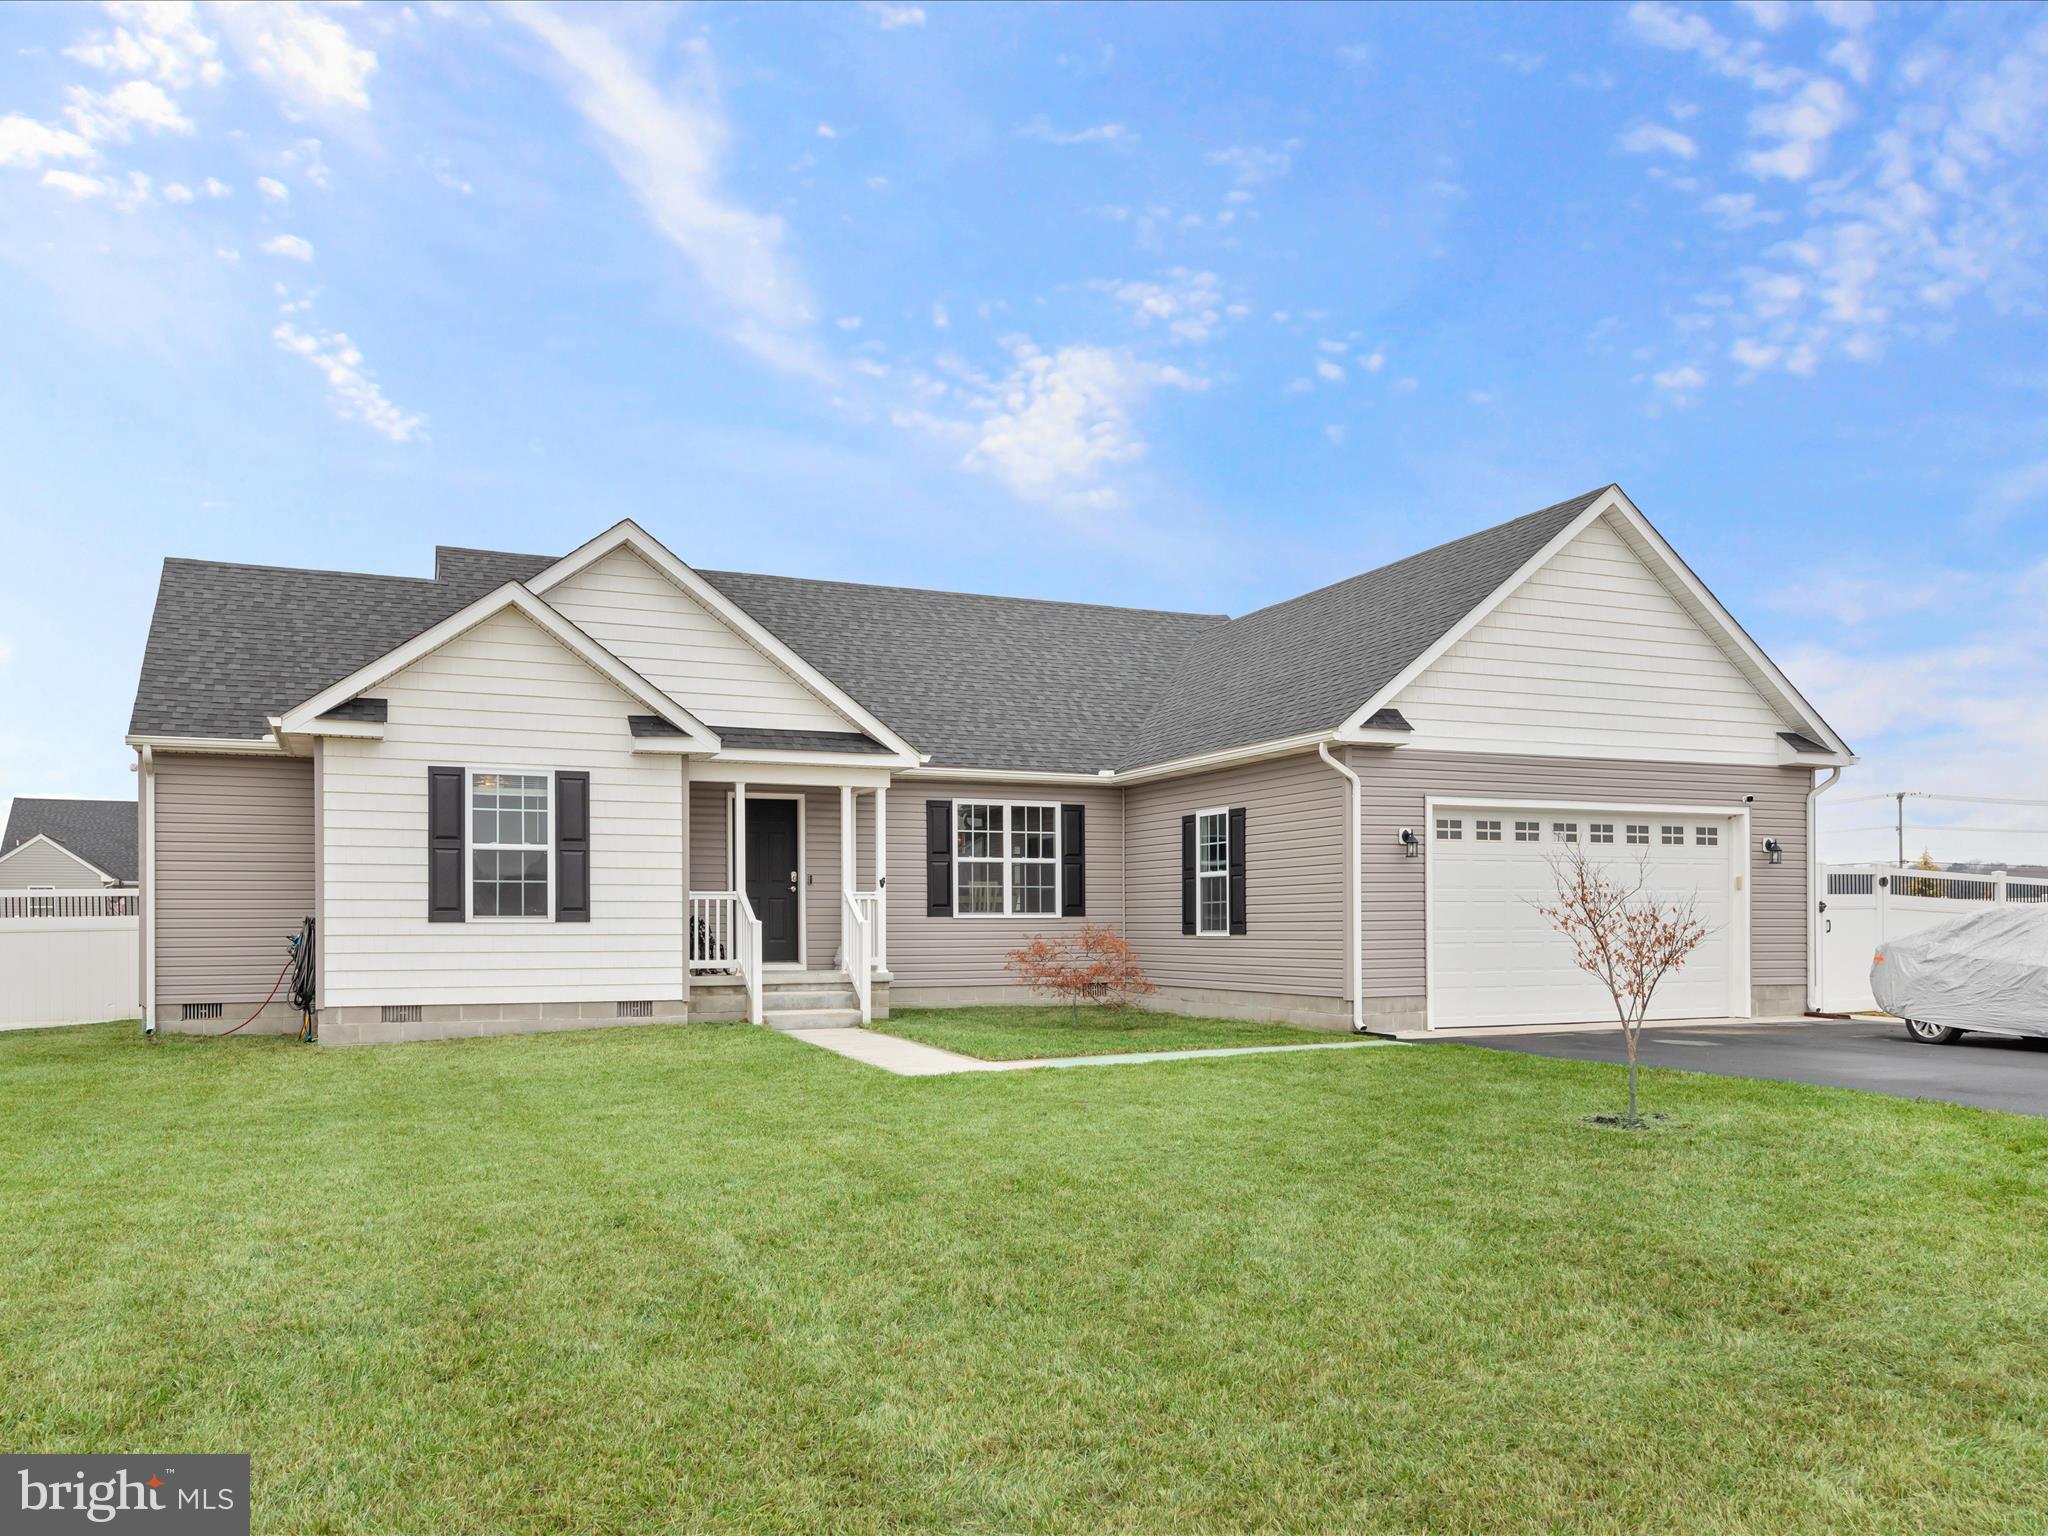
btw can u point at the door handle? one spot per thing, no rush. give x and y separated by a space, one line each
792 879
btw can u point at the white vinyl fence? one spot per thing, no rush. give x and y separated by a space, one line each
68 957
1869 903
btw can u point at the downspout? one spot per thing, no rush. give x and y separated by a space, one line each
146 925
1354 887
1816 907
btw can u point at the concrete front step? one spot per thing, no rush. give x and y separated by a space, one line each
812 1018
809 998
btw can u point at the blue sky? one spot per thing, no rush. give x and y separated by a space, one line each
1191 308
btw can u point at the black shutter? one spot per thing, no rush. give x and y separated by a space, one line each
938 858
1073 861
444 845
572 847
1237 869
1187 874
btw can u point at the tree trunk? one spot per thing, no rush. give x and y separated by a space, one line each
1632 1119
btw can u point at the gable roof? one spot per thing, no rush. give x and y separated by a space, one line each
971 680
101 832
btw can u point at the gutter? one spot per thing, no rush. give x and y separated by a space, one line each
1816 905
1354 887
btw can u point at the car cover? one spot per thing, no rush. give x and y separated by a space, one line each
1985 971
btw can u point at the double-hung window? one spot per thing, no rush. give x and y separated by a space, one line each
508 844
1006 858
1212 872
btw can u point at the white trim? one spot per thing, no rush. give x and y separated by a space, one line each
719 770
300 717
263 746
630 535
1002 776
44 837
1739 989
786 756
803 872
1354 887
1816 961
1212 933
145 874
1251 752
1009 890
469 846
1614 500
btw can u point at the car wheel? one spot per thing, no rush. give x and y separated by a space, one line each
1932 1034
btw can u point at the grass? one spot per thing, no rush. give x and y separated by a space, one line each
1018 1033
710 1278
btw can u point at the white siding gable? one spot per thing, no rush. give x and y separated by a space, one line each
42 862
685 650
1593 656
501 695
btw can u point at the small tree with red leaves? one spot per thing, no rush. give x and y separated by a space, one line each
1095 965
1623 938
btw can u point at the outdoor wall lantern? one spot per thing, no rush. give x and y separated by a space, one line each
1411 845
1774 850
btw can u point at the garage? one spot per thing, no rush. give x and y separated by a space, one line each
1494 960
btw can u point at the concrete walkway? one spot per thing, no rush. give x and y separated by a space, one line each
909 1058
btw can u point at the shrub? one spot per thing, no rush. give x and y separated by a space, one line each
1095 965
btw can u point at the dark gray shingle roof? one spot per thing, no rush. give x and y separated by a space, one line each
101 832
767 740
972 680
1800 743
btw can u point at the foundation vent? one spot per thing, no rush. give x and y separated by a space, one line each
401 1013
202 1011
636 1010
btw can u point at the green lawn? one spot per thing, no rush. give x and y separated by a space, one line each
1013 1034
678 1279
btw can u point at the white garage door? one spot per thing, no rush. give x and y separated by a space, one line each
1495 960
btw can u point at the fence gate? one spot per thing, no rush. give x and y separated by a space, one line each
1865 904
68 957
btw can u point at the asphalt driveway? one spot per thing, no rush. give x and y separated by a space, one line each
1872 1054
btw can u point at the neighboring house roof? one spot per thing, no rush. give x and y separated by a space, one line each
101 832
972 681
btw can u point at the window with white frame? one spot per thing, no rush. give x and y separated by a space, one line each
1639 832
1212 872
1673 837
1565 831
1600 832
1449 829
1706 837
1006 858
508 844
1528 831
1486 831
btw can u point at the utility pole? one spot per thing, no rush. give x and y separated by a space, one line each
1901 798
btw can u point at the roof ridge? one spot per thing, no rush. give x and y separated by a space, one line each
990 597
303 570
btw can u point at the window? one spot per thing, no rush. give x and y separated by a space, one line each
1528 831
1449 829
1600 832
1565 831
1486 831
1006 859
1212 872
1639 832
1673 837
1706 837
508 845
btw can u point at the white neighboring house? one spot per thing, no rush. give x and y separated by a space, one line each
68 920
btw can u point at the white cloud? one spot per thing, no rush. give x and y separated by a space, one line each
1334 433
1852 56
668 150
1188 303
1771 15
72 184
163 41
276 190
27 143
177 192
1373 362
1681 382
1753 354
213 188
1041 128
301 52
1655 138
891 18
1680 31
848 322
1849 15
878 183
1329 372
228 254
827 131
941 319
353 388
1251 164
1738 210
1802 126
1327 344
115 114
291 247
1523 63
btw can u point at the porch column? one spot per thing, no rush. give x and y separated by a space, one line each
882 876
689 913
739 837
846 871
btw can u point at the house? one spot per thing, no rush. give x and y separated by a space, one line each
68 845
550 791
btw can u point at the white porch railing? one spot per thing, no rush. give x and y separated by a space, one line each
860 948
725 939
99 903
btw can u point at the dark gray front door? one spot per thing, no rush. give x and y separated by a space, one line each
772 876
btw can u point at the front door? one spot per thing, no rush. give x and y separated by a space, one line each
772 877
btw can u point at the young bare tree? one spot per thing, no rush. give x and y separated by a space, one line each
1622 937
1095 966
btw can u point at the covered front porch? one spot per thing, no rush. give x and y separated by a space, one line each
787 872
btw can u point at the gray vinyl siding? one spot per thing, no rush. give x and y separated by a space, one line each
234 873
1397 783
1293 941
929 951
709 847
47 864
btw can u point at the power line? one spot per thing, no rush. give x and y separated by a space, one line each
1924 794
1963 826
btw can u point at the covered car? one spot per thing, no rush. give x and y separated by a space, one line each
1986 972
